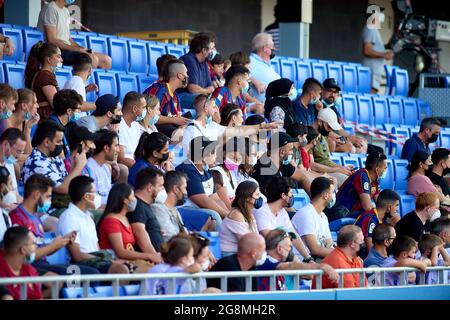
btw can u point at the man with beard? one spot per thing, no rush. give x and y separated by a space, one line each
107 111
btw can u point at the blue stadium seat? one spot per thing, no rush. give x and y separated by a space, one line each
349 128
395 111
397 147
287 68
138 56
30 37
214 245
13 74
107 291
349 78
400 82
106 82
364 79
131 290
407 204
174 50
154 52
401 173
275 63
98 44
16 36
445 138
336 225
319 71
118 51
193 219
80 39
301 198
335 71
74 293
91 96
349 160
365 110
350 107
125 84
380 109
303 72
411 112
145 81
424 108
336 158
62 76
388 70
388 182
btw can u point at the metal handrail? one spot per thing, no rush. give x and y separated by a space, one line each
116 278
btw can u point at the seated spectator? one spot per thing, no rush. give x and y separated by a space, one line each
441 228
144 223
216 71
262 73
278 106
107 112
160 66
84 249
201 191
134 110
429 131
175 76
8 98
311 223
308 104
54 22
19 250
115 232
44 159
432 249
152 116
280 256
152 151
82 71
418 182
414 224
97 166
231 116
277 162
44 60
386 212
441 163
245 169
251 253
261 139
273 214
345 256
403 255
5 183
360 191
66 107
7 46
80 139
201 48
240 220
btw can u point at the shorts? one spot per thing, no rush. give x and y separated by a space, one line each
102 261
69 57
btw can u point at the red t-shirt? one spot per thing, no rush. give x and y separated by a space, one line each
34 291
111 225
306 159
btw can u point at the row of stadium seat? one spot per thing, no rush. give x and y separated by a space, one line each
100 291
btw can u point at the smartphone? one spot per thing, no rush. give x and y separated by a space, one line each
80 148
89 50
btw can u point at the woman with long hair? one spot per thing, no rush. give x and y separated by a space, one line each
240 220
153 112
231 116
44 60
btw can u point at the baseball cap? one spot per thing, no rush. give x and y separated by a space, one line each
331 83
198 145
105 103
283 139
329 116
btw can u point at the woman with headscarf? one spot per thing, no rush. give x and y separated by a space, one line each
279 96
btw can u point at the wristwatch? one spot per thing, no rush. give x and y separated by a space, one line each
308 259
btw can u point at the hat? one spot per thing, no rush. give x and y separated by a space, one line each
282 138
329 116
105 103
198 145
331 83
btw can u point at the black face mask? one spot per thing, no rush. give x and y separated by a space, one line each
290 256
183 200
389 250
323 131
164 157
272 55
56 152
116 119
433 138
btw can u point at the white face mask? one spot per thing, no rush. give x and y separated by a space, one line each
161 197
205 265
436 215
9 198
190 261
97 201
263 258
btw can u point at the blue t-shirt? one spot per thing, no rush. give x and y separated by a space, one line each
138 166
198 183
374 259
412 145
197 71
307 116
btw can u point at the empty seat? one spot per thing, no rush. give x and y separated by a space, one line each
319 71
131 290
16 36
350 107
125 84
214 244
301 199
380 109
275 63
98 44
174 50
388 181
107 291
424 108
74 293
30 37
445 138
13 74
138 56
106 82
388 70
154 52
91 96
395 147
410 112
144 81
349 128
365 110
401 173
62 76
193 219
303 72
335 71
364 76
80 39
336 225
118 50
349 160
399 82
287 68
407 204
336 158
349 78
395 111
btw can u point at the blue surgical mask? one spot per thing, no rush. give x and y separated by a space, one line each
206 167
245 89
154 120
43 208
31 258
333 201
293 94
212 55
6 115
338 101
288 160
58 67
10 159
209 120
27 116
258 203
75 116
69 2
383 175
314 101
142 116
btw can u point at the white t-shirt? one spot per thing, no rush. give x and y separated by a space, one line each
12 173
194 129
76 83
5 221
266 220
73 219
308 221
52 15
102 177
129 137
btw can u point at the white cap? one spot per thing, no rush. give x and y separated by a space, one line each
329 116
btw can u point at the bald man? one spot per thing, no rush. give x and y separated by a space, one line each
251 253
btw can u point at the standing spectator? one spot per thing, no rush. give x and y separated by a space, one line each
273 214
97 166
308 104
134 110
5 183
19 250
44 60
262 73
349 242
240 220
201 48
311 223
143 220
216 71
153 114
82 71
54 21
441 162
107 111
414 223
278 106
7 46
429 131
373 48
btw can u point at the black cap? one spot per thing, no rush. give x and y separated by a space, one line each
198 145
282 138
105 103
331 83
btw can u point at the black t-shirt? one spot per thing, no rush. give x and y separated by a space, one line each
439 181
265 170
410 225
230 263
144 214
